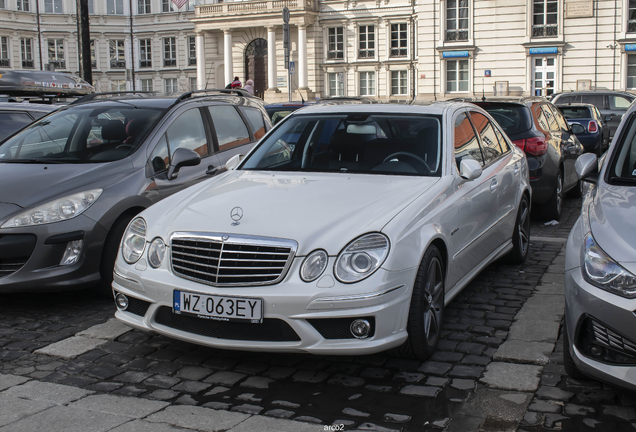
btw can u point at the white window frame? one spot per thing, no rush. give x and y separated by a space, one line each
339 87
23 5
167 6
58 51
144 7
169 55
335 51
115 7
54 6
192 51
374 40
5 53
145 52
627 56
26 53
535 28
367 90
118 85
3 4
193 83
456 20
174 85
91 7
457 80
146 84
390 32
402 75
120 53
93 48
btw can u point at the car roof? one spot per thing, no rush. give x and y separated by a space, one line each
419 107
288 104
520 100
575 105
604 92
23 106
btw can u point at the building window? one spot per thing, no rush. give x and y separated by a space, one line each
53 6
56 53
118 85
143 7
23 5
26 51
91 9
457 20
4 52
335 50
145 53
170 85
336 84
544 18
367 83
117 56
631 71
114 7
167 6
399 82
169 52
146 85
193 84
399 40
631 17
367 42
2 4
93 58
456 76
192 57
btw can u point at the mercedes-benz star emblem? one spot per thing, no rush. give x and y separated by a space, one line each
236 214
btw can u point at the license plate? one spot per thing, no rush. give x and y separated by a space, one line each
218 308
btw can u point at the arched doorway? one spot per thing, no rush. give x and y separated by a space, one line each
256 65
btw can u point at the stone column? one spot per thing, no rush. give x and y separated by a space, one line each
302 57
200 53
272 83
227 45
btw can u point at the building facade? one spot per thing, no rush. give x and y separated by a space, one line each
387 49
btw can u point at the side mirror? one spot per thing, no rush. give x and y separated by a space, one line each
233 162
577 128
586 167
607 118
180 158
469 169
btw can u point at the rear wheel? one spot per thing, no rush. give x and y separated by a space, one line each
109 254
427 308
568 361
521 233
552 209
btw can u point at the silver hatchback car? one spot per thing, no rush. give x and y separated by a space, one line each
600 266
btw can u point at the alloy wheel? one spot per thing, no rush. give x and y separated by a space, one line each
434 297
524 227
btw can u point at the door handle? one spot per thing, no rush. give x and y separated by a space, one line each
494 185
516 169
212 170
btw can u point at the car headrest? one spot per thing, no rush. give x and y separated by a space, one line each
345 143
114 130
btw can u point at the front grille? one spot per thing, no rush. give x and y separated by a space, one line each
15 251
224 260
137 307
611 339
339 328
270 330
602 343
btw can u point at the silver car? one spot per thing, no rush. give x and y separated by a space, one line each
600 266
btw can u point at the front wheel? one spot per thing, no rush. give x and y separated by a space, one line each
427 308
109 254
521 233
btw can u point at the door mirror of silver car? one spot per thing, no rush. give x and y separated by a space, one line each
586 167
607 118
469 169
577 128
233 162
180 158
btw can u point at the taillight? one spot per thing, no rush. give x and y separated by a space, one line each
592 127
534 146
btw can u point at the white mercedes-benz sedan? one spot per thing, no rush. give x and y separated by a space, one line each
346 230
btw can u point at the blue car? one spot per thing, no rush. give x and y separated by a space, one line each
595 138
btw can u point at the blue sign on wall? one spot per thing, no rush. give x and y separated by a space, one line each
546 50
454 54
487 73
630 47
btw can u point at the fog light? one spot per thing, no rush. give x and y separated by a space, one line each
72 252
596 350
360 328
122 301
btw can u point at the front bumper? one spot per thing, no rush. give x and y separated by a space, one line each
586 304
40 269
384 297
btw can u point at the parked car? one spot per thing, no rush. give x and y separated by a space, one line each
14 116
278 111
75 178
595 137
612 104
539 129
600 263
345 231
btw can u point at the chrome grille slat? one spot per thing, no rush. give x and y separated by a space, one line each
231 260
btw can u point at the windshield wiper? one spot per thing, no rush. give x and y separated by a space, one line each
623 181
35 161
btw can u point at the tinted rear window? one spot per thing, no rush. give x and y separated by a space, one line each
513 119
576 112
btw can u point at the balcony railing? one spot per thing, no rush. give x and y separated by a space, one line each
249 7
457 35
27 63
631 26
547 30
5 62
117 64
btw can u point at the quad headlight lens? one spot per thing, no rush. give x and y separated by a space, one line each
134 241
314 265
156 252
362 257
603 272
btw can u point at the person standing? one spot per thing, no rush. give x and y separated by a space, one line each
249 86
236 84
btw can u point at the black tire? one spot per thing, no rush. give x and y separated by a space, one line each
424 324
109 254
521 233
552 209
568 361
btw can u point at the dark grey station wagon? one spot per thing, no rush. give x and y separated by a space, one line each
73 180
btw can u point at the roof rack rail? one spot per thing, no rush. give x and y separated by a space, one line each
212 92
92 96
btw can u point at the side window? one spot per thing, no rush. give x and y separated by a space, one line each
568 99
466 143
160 157
489 142
563 125
619 103
11 122
549 118
187 131
505 148
229 126
594 99
256 121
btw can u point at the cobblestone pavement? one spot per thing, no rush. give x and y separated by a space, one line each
495 368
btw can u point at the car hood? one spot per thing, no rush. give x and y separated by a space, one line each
317 210
34 184
613 223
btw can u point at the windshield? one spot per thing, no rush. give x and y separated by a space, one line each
512 118
358 143
576 112
623 166
84 134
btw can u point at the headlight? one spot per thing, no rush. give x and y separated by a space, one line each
156 252
603 272
55 211
314 265
134 241
362 257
